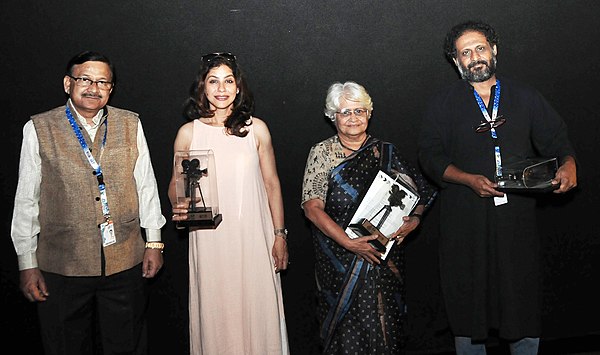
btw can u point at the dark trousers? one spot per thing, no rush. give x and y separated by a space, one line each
85 314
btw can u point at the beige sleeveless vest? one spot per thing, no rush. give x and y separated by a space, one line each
69 242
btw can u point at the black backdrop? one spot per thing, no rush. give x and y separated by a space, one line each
291 52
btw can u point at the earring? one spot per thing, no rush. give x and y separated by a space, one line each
237 91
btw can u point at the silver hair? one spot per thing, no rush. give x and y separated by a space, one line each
350 91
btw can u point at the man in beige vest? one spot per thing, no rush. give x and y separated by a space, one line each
86 189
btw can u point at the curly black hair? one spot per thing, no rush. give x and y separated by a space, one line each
458 30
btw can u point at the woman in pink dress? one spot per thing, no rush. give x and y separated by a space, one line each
235 298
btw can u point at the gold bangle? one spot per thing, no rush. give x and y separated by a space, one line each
155 245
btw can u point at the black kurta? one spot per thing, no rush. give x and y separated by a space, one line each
489 255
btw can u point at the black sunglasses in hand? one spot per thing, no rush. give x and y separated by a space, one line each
487 125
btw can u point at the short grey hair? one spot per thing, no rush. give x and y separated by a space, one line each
350 91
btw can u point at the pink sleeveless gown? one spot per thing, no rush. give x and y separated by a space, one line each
235 299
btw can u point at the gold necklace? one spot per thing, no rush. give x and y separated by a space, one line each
354 150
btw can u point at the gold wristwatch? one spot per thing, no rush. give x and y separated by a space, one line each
155 245
282 232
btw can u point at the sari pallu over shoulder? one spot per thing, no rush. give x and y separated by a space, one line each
346 282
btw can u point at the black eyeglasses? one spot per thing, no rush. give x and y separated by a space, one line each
487 125
86 82
207 58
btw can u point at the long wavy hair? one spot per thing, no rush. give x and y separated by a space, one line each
197 104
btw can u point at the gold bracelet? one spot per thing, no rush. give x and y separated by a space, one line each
155 245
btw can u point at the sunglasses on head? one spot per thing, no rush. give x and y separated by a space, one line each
207 58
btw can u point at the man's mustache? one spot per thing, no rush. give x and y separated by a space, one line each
477 62
96 96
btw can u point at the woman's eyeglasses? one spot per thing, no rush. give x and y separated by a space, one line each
487 125
358 112
207 58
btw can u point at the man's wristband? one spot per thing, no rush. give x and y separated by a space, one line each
281 232
418 215
155 245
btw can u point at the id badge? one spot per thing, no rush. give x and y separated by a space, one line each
501 200
108 233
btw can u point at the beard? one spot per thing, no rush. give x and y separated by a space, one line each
478 75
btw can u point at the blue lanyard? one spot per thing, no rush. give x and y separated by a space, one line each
92 161
486 115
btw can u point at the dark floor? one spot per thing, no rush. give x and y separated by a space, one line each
585 345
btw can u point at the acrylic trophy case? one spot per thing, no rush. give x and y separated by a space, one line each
528 175
196 185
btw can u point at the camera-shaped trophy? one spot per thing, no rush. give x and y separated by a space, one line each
382 209
364 226
196 185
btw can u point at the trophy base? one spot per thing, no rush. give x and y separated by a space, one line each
201 220
378 244
364 227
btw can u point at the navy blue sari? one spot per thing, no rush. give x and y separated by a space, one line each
361 307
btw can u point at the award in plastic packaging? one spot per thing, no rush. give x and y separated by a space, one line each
196 185
380 212
528 175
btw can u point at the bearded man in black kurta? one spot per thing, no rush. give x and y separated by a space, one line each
489 247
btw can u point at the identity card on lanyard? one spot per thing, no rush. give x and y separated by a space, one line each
106 228
493 122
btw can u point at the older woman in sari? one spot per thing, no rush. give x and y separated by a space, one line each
360 297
